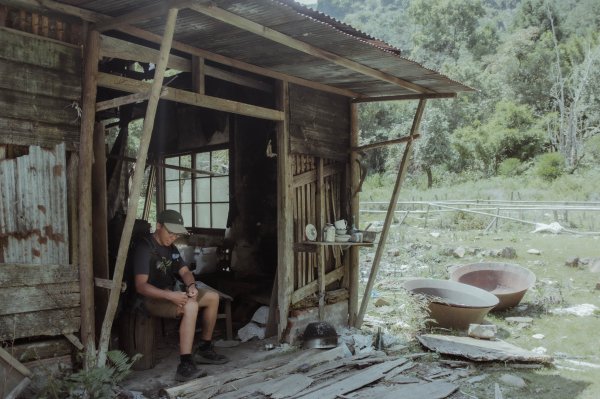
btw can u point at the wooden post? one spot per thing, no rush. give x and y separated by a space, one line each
354 274
84 197
320 209
285 221
198 74
390 213
138 177
99 222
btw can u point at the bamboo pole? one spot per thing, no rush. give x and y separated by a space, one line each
390 213
86 158
165 49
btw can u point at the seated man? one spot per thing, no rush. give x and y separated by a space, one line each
156 264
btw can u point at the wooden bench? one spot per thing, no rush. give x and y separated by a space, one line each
138 330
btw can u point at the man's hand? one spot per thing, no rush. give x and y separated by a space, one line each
192 291
178 298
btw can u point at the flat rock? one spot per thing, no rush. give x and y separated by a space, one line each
513 381
479 349
534 251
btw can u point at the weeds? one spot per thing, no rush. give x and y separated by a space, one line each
94 383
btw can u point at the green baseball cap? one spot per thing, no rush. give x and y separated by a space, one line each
173 221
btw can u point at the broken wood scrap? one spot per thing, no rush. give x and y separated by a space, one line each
480 350
277 388
207 387
429 390
398 370
331 390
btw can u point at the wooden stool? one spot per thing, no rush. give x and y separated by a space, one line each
137 331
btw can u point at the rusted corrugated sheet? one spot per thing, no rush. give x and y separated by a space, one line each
298 22
33 208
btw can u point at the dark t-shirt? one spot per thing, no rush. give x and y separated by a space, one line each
160 263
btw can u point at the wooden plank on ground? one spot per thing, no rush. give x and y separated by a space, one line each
280 387
428 390
479 349
285 364
367 376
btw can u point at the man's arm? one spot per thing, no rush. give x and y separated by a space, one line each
143 287
189 281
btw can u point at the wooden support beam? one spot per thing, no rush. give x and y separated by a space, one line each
198 69
311 175
140 14
390 213
232 19
285 221
404 97
124 100
108 284
353 253
84 197
384 143
124 50
313 286
320 195
138 177
187 97
162 165
100 222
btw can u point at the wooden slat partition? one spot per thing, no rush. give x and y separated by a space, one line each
307 210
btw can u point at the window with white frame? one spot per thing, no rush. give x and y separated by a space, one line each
202 199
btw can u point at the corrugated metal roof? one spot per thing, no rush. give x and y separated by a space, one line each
300 23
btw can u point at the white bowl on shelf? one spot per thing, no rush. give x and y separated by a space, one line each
342 238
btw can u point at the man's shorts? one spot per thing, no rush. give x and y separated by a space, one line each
165 308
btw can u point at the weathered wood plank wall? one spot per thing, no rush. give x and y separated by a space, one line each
38 300
40 90
33 208
319 123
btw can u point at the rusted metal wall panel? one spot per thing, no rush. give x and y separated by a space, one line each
33 208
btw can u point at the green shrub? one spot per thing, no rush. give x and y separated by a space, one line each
550 166
509 167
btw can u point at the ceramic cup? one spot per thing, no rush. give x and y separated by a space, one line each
341 224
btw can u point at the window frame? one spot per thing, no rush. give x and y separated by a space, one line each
193 179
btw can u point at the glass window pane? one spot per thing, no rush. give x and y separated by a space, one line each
203 161
202 215
219 213
171 174
220 189
203 189
220 161
185 187
172 192
186 212
185 161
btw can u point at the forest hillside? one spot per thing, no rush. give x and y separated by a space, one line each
535 66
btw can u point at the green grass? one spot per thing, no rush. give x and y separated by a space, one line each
411 251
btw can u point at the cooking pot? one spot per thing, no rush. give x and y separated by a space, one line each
321 335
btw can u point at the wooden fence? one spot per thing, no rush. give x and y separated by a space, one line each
583 216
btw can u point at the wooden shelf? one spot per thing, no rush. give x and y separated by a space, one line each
341 244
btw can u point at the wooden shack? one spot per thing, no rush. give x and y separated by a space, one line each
246 118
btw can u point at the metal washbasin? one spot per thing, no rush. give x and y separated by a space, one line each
451 304
509 282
